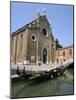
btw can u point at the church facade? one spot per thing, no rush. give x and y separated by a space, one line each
33 43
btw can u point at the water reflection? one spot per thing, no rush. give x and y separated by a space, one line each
62 85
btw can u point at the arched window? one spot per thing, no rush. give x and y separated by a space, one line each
44 55
63 53
64 60
57 60
70 51
44 32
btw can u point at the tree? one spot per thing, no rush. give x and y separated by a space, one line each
57 44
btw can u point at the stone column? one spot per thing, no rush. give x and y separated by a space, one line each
37 56
47 49
25 45
37 49
14 49
50 45
18 49
11 48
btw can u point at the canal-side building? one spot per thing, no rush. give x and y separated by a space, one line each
64 54
33 43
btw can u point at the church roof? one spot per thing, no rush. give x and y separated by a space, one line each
26 26
22 28
70 46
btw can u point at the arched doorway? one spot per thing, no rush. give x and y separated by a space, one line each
44 55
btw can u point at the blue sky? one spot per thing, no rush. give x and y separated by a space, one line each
59 16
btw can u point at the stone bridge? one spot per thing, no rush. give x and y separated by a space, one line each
40 68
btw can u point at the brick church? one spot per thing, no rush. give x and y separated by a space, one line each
33 43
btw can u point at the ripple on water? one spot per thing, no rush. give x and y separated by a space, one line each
62 85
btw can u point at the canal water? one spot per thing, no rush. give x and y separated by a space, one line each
61 85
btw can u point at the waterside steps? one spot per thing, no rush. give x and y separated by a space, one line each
35 71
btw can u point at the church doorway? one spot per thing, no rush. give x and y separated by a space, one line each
44 55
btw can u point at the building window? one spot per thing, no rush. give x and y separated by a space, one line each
21 42
57 60
70 51
33 37
64 60
52 45
63 53
44 32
